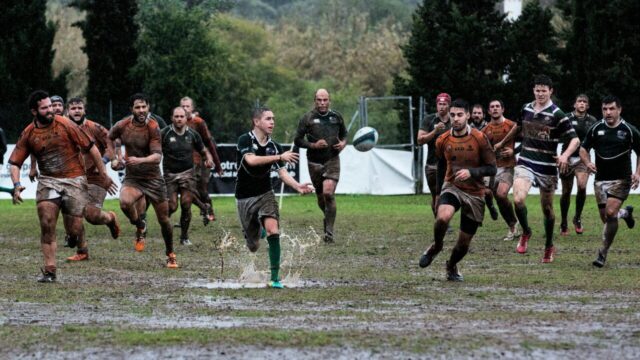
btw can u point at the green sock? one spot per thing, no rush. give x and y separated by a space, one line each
521 214
6 189
548 231
274 255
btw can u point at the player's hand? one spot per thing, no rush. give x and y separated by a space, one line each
462 175
305 188
290 156
635 180
340 145
320 144
132 160
506 152
33 174
17 199
563 163
110 186
117 164
592 167
439 126
208 164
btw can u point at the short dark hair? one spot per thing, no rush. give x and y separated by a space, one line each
498 100
257 112
460 103
543 80
75 100
582 96
138 96
608 99
35 97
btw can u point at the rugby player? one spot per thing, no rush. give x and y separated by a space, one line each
179 142
56 142
322 132
141 139
465 156
3 150
581 122
431 127
258 154
612 140
96 183
542 125
201 170
496 130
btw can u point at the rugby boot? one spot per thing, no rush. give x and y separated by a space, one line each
172 262
577 223
512 234
47 276
427 258
548 254
453 274
600 260
631 222
564 229
275 285
78 257
141 234
114 227
522 243
186 242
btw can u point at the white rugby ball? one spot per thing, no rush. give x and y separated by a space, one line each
365 138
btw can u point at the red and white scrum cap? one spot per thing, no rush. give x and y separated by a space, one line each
443 97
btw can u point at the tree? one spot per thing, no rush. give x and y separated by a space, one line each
532 49
456 47
110 33
602 54
25 60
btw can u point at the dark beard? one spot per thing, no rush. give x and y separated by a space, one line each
44 120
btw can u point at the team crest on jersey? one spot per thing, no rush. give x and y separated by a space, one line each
333 120
600 132
316 121
574 122
172 139
469 148
621 135
255 146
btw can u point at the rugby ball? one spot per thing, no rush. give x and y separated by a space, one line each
365 138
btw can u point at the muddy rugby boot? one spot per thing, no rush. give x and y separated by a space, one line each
577 224
453 274
512 235
522 243
564 229
275 285
78 257
141 234
47 276
548 255
172 262
186 242
600 260
113 226
426 259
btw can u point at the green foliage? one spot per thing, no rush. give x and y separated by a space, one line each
532 49
603 52
25 60
110 32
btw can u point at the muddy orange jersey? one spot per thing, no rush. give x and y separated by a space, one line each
100 136
471 150
200 126
139 140
495 133
56 147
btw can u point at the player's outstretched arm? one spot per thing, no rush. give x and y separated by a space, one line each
287 179
586 160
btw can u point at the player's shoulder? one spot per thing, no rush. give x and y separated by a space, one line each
477 134
123 122
335 113
632 128
444 136
246 137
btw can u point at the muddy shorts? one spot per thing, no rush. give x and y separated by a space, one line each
575 166
618 189
471 206
319 172
71 192
180 181
153 189
252 212
544 182
96 196
503 175
431 172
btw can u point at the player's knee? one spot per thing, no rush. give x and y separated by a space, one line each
328 197
610 215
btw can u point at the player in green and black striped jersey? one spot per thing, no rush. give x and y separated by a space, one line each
612 140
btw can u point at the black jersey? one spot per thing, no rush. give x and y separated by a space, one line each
612 146
316 126
581 125
255 180
428 125
177 150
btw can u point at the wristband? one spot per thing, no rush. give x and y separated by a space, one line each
105 159
17 184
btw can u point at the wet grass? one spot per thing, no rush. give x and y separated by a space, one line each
367 291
